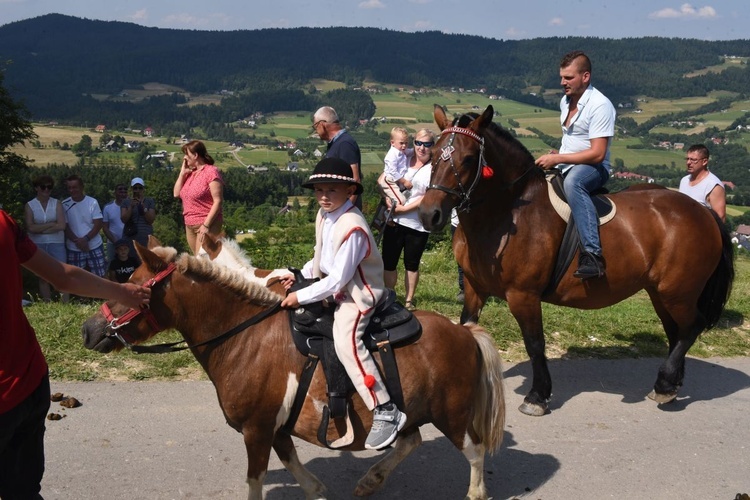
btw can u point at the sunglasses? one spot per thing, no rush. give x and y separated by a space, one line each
137 188
45 186
427 144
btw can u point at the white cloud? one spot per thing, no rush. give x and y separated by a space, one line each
191 21
422 25
372 4
556 21
514 32
686 11
139 16
420 2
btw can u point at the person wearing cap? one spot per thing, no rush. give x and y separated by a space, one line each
140 211
201 188
350 268
124 264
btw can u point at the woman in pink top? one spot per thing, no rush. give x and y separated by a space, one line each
201 189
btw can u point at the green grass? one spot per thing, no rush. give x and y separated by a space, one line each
626 330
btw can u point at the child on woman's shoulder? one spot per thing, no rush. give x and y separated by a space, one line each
396 164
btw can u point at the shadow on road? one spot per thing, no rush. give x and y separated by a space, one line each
633 379
435 470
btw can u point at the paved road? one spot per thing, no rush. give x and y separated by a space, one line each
154 440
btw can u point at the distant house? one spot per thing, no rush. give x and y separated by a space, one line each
292 166
743 230
100 128
632 177
148 132
317 153
298 152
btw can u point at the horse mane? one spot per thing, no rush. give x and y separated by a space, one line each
208 270
500 132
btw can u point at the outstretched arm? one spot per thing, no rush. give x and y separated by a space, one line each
78 281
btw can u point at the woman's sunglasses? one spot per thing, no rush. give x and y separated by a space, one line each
427 144
45 186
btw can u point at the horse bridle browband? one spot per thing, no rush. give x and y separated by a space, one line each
447 155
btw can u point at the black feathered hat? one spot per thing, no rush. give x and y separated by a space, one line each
332 170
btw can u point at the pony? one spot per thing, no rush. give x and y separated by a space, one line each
255 368
509 235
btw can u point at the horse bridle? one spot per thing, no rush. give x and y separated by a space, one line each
115 323
446 154
464 195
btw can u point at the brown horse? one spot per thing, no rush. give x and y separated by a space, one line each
256 371
509 234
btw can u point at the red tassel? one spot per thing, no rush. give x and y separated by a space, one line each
487 172
369 381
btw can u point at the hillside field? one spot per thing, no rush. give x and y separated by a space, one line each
412 109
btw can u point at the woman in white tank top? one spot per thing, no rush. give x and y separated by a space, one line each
45 223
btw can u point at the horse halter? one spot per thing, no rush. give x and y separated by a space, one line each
115 323
462 193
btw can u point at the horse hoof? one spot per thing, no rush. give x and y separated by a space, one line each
534 410
662 398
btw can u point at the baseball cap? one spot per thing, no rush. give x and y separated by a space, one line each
121 242
137 180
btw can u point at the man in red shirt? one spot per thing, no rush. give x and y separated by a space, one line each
24 382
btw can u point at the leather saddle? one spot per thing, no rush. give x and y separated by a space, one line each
605 209
312 332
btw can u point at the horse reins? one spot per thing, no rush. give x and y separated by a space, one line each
115 323
446 154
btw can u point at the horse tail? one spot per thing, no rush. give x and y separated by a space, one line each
489 403
716 292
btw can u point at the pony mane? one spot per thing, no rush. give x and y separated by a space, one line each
236 254
236 282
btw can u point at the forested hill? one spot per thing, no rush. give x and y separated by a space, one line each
56 59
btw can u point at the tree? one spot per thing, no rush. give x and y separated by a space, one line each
15 128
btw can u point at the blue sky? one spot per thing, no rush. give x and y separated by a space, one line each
499 19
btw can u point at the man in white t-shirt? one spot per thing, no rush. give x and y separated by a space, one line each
84 223
587 118
701 184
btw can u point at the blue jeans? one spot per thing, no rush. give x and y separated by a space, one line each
579 181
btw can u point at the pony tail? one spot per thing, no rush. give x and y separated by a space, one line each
489 404
208 159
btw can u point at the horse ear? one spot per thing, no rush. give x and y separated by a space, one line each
152 261
153 242
441 120
483 121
